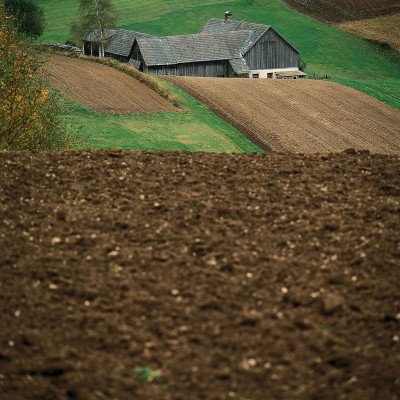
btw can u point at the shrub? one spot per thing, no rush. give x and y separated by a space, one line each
302 65
30 110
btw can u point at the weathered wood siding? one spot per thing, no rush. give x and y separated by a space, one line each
137 55
271 51
205 69
121 59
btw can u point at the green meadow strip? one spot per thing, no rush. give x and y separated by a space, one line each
195 128
386 91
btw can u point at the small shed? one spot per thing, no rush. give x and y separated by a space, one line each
118 44
92 42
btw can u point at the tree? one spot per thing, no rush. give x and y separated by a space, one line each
29 16
30 111
302 64
93 15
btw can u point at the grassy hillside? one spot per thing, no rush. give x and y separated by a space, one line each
386 91
326 49
345 10
383 29
193 129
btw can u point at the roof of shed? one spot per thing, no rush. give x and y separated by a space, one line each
291 72
119 41
122 41
194 48
96 37
222 25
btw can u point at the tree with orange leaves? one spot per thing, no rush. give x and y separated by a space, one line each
30 111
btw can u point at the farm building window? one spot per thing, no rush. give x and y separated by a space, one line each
255 75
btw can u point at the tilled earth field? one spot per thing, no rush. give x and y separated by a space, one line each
102 88
345 10
128 275
301 116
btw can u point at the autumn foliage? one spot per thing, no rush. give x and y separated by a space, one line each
30 111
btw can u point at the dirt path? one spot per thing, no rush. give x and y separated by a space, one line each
103 88
221 276
299 115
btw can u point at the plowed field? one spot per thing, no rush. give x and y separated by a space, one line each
384 29
103 88
188 276
345 10
299 115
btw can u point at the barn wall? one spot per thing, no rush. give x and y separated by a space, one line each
205 69
117 57
271 51
137 55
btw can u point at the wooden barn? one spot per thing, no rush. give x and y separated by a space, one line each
223 48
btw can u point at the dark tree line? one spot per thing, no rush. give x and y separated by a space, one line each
28 15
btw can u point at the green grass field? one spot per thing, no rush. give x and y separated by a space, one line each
195 128
326 49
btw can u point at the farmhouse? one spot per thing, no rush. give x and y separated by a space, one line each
223 48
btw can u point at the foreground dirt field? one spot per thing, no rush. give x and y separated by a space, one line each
102 88
221 276
345 10
299 115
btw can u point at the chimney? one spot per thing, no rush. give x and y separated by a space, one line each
228 16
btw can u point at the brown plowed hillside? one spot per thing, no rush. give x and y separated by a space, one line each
103 88
345 10
299 116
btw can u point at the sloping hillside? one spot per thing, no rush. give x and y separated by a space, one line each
373 20
384 29
103 88
326 50
299 116
107 91
345 10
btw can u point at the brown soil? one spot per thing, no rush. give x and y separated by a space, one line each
383 29
345 10
103 88
234 276
299 115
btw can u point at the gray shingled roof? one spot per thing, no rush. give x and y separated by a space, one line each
156 51
218 40
239 65
95 35
122 41
194 48
221 25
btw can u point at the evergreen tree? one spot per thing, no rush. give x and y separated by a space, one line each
29 16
